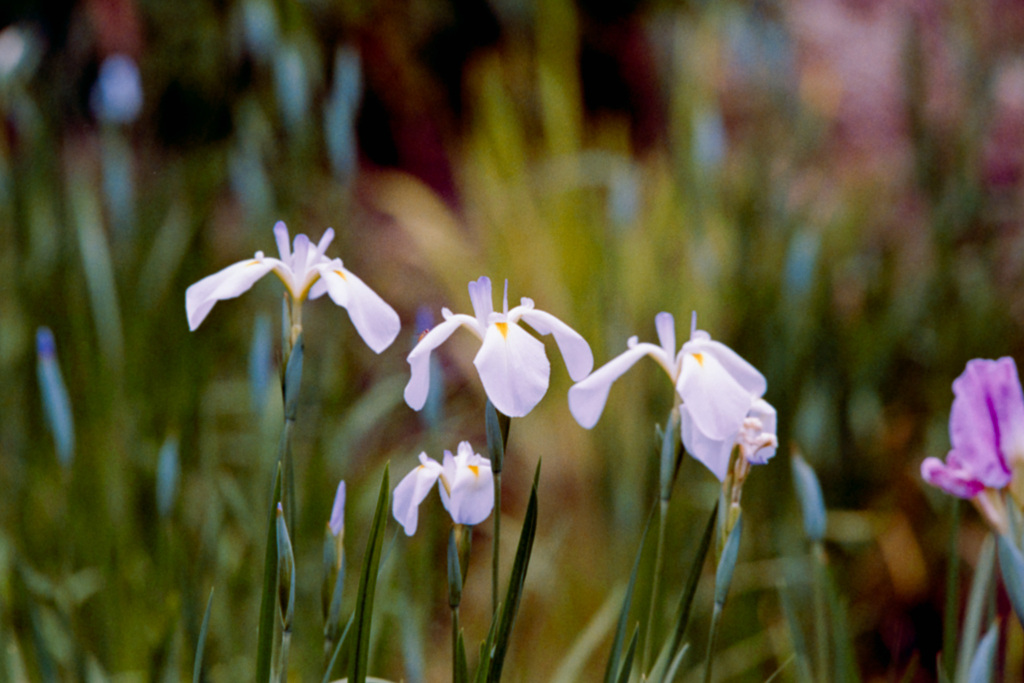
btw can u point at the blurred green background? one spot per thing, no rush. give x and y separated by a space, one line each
834 187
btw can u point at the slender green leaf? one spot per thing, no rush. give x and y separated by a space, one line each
1011 566
673 642
265 635
454 571
329 674
669 462
980 585
293 379
842 640
812 502
627 661
726 565
796 634
618 641
677 661
483 666
497 426
368 585
983 663
515 584
197 668
461 674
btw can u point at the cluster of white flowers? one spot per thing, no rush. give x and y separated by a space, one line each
718 393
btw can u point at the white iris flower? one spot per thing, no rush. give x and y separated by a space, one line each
512 364
718 390
465 483
307 273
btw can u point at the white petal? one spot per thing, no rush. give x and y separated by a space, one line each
713 453
374 320
666 326
472 497
225 284
764 411
481 298
513 368
716 401
411 491
588 397
283 243
745 374
419 358
575 349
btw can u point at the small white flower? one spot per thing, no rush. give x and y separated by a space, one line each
512 364
717 388
465 483
307 273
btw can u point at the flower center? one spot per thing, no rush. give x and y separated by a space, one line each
503 328
699 357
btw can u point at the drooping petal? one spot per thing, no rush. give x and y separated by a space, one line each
513 368
411 491
745 374
575 350
716 400
419 358
950 477
713 453
374 320
587 397
224 284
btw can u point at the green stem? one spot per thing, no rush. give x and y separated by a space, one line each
455 644
496 542
286 641
655 583
716 618
820 611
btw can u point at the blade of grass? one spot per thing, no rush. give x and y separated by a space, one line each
723 580
1011 566
983 663
671 646
952 591
627 662
975 607
197 669
328 674
620 630
368 585
515 585
265 634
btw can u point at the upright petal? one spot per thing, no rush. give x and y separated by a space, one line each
713 453
224 284
283 242
411 491
716 401
575 349
666 326
513 368
374 320
337 522
419 358
587 397
982 394
481 298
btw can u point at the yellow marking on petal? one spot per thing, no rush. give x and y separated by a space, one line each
423 334
341 274
700 358
475 469
503 328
